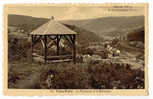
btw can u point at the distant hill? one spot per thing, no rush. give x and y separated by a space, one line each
16 20
109 26
103 27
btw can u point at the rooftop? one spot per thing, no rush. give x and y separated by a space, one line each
52 27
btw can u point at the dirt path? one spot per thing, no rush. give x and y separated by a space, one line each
132 50
129 55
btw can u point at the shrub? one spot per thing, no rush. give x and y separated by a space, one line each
68 76
97 75
17 49
104 75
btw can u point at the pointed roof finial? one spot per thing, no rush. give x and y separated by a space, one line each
52 17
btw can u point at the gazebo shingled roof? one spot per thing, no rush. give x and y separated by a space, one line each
52 27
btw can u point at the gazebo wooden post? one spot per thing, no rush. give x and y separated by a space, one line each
45 49
74 49
42 47
57 44
32 40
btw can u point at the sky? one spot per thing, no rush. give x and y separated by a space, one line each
67 12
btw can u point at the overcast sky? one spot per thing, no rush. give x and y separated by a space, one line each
76 12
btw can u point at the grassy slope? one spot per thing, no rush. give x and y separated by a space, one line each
83 36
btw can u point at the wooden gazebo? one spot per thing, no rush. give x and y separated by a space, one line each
53 31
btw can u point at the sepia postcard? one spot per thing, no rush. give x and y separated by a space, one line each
75 49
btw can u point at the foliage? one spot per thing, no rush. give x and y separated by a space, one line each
95 75
17 48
